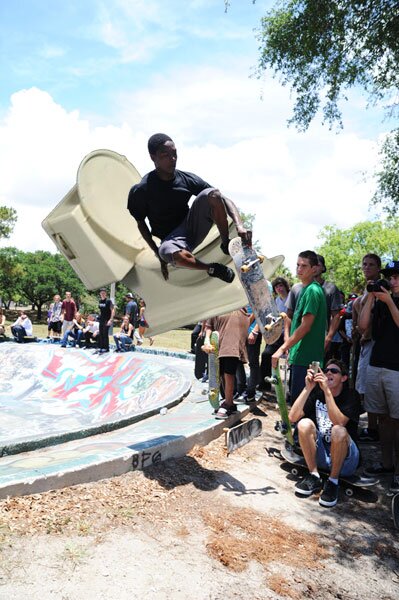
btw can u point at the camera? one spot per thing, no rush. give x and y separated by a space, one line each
315 366
378 285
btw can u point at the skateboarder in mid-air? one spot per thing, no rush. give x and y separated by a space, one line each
162 198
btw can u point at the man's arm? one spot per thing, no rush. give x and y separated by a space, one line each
299 334
334 324
364 315
147 237
385 296
232 211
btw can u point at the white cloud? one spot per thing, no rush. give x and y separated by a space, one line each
294 183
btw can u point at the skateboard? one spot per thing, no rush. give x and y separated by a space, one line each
241 434
248 266
214 372
284 426
348 483
395 510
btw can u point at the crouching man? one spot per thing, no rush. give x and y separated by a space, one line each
327 414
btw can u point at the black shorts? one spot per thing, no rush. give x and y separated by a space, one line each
229 364
55 326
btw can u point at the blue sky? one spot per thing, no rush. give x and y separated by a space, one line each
76 76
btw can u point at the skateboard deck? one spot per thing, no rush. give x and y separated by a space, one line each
214 372
248 266
352 481
284 426
241 434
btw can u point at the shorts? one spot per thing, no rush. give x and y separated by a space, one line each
194 229
382 392
323 456
228 364
55 326
364 361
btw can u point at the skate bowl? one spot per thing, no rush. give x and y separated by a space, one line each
50 395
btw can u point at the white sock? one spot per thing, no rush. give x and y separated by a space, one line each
334 481
315 473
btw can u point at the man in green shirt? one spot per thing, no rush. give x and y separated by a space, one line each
308 327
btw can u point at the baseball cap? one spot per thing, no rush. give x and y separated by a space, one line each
129 295
390 268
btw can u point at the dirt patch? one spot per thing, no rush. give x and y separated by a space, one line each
205 526
246 535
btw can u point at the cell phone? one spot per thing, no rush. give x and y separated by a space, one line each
315 366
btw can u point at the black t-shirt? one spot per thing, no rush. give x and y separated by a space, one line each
164 203
316 409
385 333
105 308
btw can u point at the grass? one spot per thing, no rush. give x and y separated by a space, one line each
177 339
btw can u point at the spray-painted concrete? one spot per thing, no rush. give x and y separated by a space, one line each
132 447
51 395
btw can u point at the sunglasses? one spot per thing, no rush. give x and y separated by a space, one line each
332 370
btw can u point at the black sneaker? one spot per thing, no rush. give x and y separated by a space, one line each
224 246
329 496
369 435
311 484
394 487
378 469
221 272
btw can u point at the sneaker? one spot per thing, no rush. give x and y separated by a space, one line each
240 397
224 411
311 484
394 487
250 398
221 272
329 496
378 469
224 246
369 435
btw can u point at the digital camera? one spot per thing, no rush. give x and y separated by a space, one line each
378 285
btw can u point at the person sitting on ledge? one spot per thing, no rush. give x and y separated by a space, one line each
327 413
22 327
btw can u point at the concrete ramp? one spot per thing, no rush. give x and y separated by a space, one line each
51 395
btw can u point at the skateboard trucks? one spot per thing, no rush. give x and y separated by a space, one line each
249 265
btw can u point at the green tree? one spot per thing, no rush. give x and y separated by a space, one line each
343 250
10 273
45 274
8 218
322 48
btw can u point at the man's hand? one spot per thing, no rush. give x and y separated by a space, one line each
208 348
164 269
275 357
384 295
321 379
252 338
245 235
310 382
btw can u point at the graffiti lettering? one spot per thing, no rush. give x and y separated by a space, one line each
145 458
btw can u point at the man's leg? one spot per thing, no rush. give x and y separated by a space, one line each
307 439
340 440
228 368
254 367
177 247
297 381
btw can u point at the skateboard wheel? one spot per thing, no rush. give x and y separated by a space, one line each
295 471
261 258
348 492
245 268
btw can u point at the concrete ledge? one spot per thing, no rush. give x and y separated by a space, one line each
94 464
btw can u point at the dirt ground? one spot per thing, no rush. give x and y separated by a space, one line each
206 526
